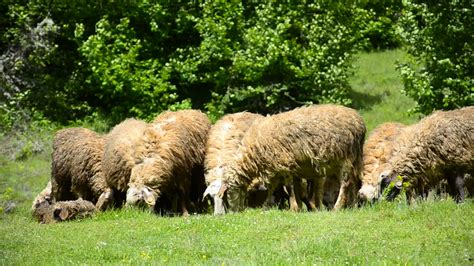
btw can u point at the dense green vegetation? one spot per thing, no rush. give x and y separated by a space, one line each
68 61
439 39
65 62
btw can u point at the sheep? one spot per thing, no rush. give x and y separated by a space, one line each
47 213
440 147
76 167
119 156
223 141
170 159
379 147
315 143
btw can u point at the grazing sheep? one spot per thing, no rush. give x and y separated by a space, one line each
119 155
223 142
315 143
169 156
63 211
440 146
76 167
379 147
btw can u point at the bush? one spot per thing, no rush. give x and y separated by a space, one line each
438 36
381 30
24 134
272 57
75 60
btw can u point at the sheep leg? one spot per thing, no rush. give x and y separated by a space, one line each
184 202
308 194
316 193
341 201
410 197
105 200
456 184
295 195
61 191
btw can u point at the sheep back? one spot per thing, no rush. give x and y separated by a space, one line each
224 140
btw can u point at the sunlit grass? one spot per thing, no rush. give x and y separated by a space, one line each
428 233
377 89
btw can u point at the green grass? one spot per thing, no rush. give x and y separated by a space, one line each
432 232
376 89
428 233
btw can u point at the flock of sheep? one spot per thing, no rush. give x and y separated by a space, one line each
314 155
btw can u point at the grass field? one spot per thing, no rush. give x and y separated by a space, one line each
433 232
376 90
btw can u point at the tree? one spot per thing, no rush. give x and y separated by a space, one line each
140 58
271 57
438 36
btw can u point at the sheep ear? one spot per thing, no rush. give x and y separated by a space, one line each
221 192
149 196
61 214
213 188
138 160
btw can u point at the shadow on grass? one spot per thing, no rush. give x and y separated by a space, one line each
365 101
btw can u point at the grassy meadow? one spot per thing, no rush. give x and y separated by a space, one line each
431 232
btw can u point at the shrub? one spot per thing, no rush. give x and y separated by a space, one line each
271 57
139 58
381 30
438 36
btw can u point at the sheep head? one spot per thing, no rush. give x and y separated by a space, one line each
216 191
226 197
393 184
370 192
141 196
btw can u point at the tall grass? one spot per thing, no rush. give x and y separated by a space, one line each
432 232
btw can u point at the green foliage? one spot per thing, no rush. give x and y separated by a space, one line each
438 36
90 57
272 57
381 29
69 61
127 85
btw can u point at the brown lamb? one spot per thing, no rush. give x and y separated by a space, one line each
63 211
